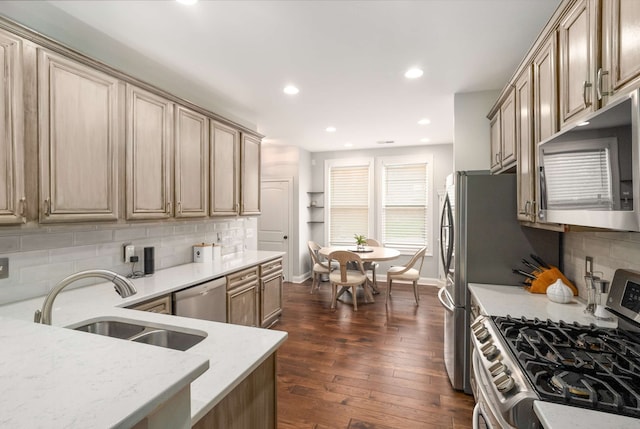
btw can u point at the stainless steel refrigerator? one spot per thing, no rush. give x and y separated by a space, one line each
481 241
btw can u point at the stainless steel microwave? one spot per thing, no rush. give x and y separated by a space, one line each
588 174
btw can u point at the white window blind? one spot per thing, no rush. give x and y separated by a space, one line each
579 179
404 205
348 203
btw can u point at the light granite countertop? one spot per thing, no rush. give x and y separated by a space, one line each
497 300
232 352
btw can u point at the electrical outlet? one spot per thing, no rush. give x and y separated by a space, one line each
4 268
128 250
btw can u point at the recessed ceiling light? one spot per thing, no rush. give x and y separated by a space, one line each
188 2
425 140
348 144
413 73
331 129
582 124
424 121
291 90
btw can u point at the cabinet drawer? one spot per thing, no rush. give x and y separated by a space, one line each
160 305
241 278
271 267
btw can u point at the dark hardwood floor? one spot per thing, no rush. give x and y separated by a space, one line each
370 369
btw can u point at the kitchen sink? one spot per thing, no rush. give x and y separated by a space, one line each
169 339
112 328
161 336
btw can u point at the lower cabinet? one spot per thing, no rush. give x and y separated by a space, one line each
242 297
254 295
270 292
161 305
251 404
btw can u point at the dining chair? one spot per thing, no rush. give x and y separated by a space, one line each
407 273
372 266
344 277
318 267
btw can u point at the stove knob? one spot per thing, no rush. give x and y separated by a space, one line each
484 348
477 325
491 352
497 368
483 335
504 383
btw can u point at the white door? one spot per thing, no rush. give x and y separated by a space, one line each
274 222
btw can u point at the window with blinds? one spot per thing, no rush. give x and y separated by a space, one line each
404 216
348 203
579 179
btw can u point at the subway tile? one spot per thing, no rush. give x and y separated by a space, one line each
9 244
95 263
46 241
27 259
21 292
72 253
129 234
50 272
185 229
160 231
93 237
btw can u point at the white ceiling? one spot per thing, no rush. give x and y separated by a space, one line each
347 57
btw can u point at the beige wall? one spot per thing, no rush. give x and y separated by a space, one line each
471 145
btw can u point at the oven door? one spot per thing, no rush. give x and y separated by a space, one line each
485 414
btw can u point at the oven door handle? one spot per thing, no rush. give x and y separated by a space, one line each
445 301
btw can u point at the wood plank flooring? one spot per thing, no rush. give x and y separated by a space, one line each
370 369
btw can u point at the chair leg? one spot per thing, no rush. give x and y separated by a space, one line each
415 292
355 300
334 299
374 281
389 280
313 283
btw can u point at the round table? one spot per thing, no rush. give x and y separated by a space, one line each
371 254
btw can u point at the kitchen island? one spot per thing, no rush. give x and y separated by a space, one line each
233 352
498 300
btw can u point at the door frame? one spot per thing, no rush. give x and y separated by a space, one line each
289 181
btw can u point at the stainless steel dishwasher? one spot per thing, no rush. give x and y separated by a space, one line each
207 301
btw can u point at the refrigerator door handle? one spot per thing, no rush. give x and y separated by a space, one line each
445 301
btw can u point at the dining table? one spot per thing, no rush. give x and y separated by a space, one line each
367 254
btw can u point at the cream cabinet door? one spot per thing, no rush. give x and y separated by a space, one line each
545 111
578 54
225 174
526 152
250 176
621 40
12 197
242 305
191 163
78 134
508 149
495 136
148 155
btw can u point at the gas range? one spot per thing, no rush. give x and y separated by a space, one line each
519 360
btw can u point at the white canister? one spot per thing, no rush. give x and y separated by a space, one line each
202 252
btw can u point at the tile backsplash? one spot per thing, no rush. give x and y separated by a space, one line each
610 251
40 256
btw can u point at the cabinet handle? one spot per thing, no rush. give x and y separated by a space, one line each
169 207
179 207
527 207
599 90
585 85
47 207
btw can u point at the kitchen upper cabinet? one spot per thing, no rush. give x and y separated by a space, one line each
503 134
225 170
545 98
148 155
78 141
621 46
12 196
250 175
526 149
191 163
578 34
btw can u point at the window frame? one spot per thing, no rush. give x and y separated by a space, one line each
349 162
379 192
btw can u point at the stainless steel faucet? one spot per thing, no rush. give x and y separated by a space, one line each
123 286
